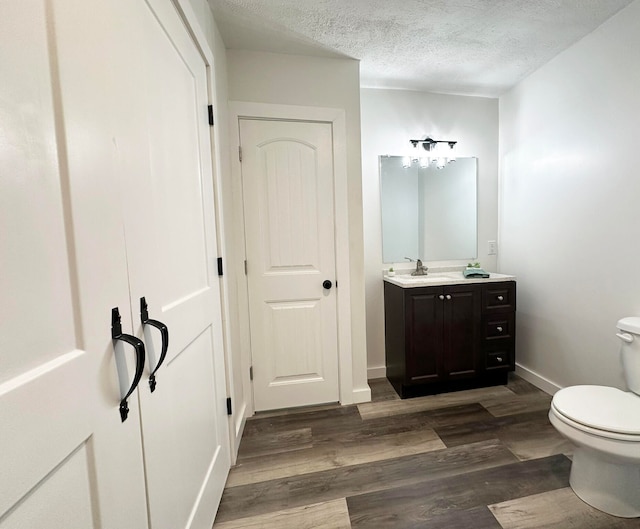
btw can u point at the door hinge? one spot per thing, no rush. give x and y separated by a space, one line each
245 267
251 373
219 266
240 153
210 111
229 412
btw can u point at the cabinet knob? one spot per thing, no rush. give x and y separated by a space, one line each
499 329
499 359
448 296
500 298
440 296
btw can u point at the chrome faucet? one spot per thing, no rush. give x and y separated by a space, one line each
420 269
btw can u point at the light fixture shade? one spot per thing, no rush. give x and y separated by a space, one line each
452 152
406 162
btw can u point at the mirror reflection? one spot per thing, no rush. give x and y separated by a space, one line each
427 212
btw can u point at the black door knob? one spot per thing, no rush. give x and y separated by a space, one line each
327 284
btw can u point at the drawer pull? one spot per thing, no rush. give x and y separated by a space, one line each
440 296
499 329
500 298
448 296
499 359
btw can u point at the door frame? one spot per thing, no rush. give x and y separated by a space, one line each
336 117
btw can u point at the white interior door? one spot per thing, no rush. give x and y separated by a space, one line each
287 172
172 250
66 458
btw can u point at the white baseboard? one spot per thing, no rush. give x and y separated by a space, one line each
361 395
238 429
537 380
376 372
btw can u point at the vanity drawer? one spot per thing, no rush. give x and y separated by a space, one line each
499 326
498 359
499 297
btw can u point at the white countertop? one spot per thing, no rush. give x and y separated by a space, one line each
443 278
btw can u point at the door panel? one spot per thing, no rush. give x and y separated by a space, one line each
73 474
294 326
462 336
172 247
424 328
287 172
290 185
60 393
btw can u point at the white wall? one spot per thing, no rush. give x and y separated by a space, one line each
570 203
389 119
322 82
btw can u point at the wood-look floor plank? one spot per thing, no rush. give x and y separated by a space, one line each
376 410
414 506
521 387
360 430
296 410
336 417
270 443
534 439
327 515
474 431
285 493
511 405
558 509
528 435
381 389
473 518
327 455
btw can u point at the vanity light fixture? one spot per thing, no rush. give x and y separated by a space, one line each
438 152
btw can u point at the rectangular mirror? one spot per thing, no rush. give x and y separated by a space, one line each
428 213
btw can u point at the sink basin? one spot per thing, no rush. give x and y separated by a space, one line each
426 278
430 277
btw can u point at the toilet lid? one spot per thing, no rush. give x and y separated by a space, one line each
601 407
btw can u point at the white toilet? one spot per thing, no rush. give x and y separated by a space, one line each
604 425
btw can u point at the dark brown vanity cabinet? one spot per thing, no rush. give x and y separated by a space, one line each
444 338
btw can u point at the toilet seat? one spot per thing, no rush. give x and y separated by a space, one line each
601 410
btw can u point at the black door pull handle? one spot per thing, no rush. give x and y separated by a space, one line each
164 332
327 284
138 346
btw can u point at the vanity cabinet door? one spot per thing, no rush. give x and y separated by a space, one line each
423 324
443 333
461 331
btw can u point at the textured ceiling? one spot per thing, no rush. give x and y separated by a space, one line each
473 47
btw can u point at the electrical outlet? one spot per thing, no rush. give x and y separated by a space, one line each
492 248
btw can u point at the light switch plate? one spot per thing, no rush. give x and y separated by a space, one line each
492 248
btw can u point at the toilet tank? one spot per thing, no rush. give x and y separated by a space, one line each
629 334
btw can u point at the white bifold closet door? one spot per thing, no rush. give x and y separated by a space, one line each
105 198
172 251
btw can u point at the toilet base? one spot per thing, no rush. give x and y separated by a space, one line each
608 486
